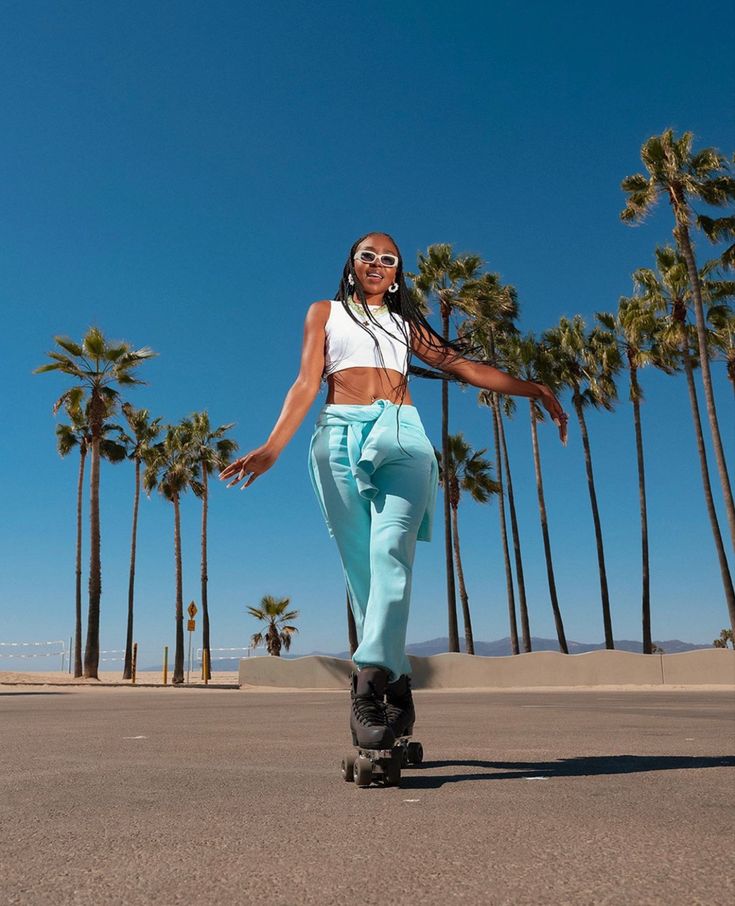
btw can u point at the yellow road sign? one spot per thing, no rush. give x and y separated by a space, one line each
192 610
191 625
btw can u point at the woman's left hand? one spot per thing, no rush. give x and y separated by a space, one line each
553 407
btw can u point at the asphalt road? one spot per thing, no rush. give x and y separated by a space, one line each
138 796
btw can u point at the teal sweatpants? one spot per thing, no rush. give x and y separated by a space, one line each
375 475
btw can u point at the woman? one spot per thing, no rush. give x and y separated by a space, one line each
372 466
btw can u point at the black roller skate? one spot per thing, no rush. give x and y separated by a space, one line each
401 717
377 759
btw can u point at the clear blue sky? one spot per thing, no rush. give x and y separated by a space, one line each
190 176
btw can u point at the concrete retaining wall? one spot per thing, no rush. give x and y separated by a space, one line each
540 668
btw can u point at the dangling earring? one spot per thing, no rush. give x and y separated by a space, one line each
350 279
393 288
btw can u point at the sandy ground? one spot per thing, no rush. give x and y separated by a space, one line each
230 679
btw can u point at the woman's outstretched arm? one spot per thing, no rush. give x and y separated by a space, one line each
486 377
297 403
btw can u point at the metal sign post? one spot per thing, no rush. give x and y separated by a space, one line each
192 611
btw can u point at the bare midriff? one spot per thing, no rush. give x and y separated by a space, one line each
362 386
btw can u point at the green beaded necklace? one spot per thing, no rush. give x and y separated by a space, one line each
360 311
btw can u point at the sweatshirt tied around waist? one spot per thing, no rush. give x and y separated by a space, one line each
373 435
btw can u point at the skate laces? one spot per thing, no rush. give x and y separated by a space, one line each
368 708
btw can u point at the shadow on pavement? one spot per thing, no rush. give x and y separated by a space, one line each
39 692
585 766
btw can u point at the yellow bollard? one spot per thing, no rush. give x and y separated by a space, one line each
134 665
165 665
205 661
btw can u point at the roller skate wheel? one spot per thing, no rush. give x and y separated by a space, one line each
392 774
362 771
415 753
348 768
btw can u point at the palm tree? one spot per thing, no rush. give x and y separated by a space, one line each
275 614
529 363
634 328
466 471
213 451
143 433
587 363
442 275
726 636
96 366
492 309
681 176
67 438
509 407
490 399
722 320
720 229
667 290
171 468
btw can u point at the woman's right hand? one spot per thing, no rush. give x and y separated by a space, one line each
252 464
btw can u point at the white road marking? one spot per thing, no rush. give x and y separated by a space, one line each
535 778
135 737
411 800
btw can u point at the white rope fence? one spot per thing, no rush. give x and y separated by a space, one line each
33 654
113 651
198 657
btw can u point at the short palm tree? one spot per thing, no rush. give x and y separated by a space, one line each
531 365
586 363
95 366
276 614
442 275
467 472
683 177
143 433
213 451
727 635
635 327
171 468
667 291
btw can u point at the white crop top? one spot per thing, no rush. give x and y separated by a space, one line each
348 345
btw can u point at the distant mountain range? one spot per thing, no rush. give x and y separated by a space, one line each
502 647
498 648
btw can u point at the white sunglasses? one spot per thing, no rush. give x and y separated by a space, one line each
370 257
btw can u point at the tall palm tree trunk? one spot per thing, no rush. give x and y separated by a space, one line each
463 597
128 665
545 533
92 646
178 676
707 487
645 573
504 532
685 246
522 605
205 576
604 594
351 626
78 668
453 628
